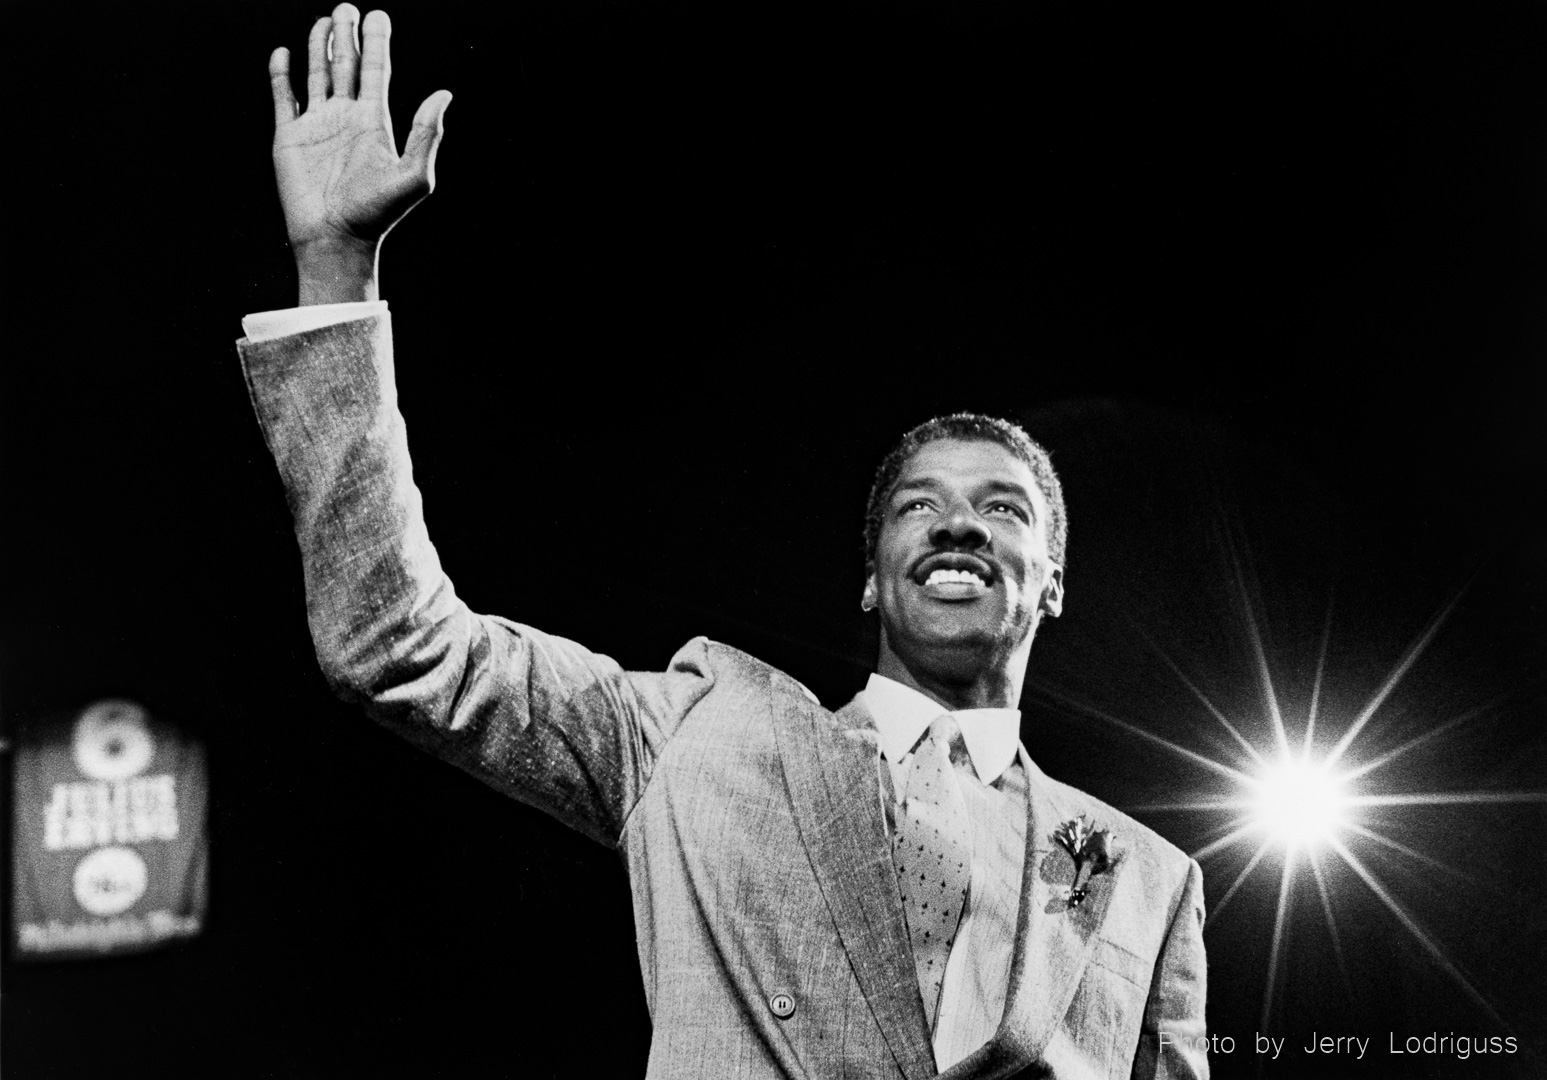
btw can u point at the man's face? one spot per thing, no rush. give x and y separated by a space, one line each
962 572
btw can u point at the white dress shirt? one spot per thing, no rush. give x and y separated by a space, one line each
977 973
264 325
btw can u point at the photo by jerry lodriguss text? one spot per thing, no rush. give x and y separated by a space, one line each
1355 1047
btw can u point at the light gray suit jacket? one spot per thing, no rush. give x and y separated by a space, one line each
749 817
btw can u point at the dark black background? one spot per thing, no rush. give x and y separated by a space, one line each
1268 280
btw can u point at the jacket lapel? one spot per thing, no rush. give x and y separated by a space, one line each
1053 940
832 770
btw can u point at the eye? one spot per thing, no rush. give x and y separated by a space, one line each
1012 509
913 505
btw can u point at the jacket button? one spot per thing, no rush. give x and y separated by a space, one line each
782 1004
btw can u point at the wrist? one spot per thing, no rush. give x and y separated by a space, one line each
336 271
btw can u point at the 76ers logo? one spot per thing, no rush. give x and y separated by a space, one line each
112 741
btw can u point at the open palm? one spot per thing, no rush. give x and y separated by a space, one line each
341 180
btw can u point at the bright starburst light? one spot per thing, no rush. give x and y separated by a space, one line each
1304 804
1298 802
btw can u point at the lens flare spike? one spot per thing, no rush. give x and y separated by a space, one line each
1280 917
1134 729
1414 651
1418 740
1201 806
1417 856
1411 925
1450 798
1321 666
1254 636
1332 925
1246 744
1224 901
1230 839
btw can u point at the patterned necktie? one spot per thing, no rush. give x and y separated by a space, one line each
933 856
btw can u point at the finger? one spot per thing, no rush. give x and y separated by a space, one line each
279 83
346 49
424 140
376 60
317 78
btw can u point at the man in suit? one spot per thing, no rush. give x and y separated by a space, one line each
891 890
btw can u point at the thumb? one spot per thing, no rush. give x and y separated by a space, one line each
424 139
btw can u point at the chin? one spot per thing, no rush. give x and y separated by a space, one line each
981 630
959 652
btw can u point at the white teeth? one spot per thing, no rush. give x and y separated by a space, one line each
944 576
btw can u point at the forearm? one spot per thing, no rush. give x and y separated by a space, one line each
327 403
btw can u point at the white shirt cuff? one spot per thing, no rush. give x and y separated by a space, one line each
264 325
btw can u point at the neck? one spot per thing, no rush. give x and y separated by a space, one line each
991 686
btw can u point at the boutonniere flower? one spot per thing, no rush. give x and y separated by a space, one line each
1093 850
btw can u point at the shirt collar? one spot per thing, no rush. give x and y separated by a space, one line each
902 715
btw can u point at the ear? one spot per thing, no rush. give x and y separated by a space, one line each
867 599
1053 591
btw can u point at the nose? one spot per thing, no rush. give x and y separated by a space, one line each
960 528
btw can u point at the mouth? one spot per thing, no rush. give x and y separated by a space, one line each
954 576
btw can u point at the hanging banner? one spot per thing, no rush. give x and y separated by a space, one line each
110 853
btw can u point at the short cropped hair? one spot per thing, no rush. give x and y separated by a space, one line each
969 427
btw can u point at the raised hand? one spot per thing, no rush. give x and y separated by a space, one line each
341 181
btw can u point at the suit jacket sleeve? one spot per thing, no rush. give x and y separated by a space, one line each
541 718
1172 1041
